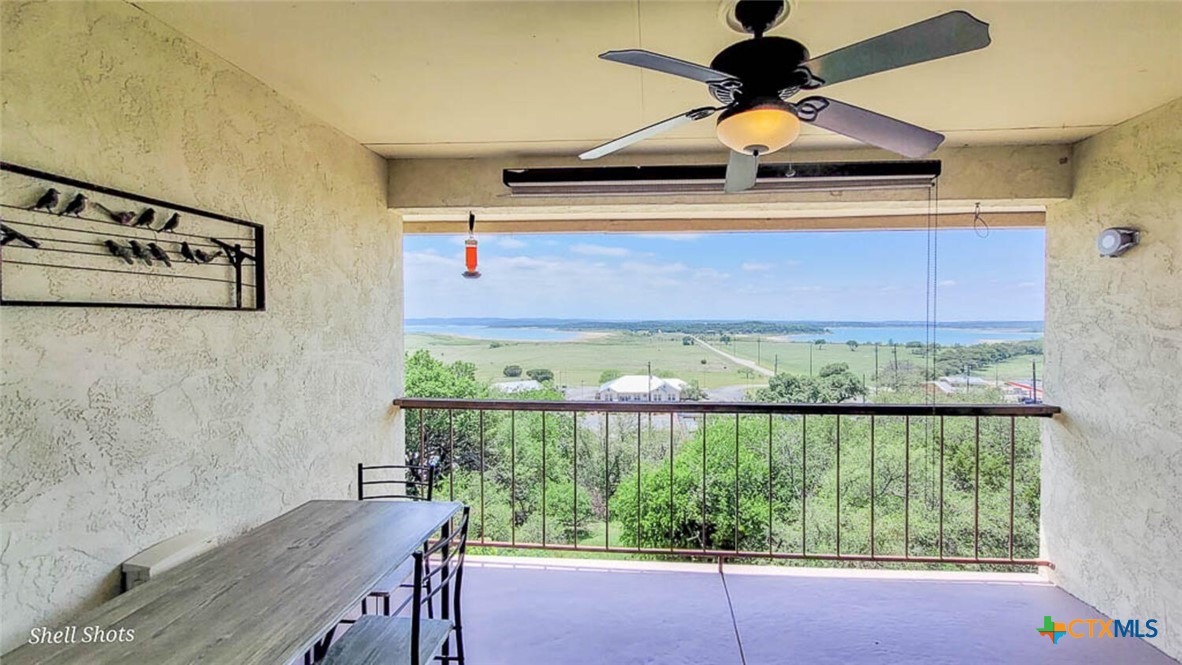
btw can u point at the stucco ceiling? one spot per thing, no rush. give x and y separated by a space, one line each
415 79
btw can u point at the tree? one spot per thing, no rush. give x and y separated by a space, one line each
430 430
512 371
853 344
725 339
693 391
820 344
834 383
687 341
608 375
540 375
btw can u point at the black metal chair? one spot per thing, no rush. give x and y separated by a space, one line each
417 639
420 479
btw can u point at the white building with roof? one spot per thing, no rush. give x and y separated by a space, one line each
641 388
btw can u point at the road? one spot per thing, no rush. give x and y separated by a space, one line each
735 359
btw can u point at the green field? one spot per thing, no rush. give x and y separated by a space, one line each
580 363
797 357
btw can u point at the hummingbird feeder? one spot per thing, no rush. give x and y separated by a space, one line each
470 250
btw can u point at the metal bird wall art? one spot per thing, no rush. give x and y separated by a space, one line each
76 206
48 201
120 251
187 253
172 223
140 252
10 234
146 218
204 257
159 254
123 217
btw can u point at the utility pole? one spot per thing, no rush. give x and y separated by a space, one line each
811 345
777 369
650 381
876 367
1033 382
757 351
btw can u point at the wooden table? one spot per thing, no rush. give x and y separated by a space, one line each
264 597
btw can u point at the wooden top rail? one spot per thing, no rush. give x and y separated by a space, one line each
754 408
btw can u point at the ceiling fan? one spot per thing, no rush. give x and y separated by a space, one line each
754 81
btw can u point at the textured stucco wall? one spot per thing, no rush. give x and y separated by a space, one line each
125 427
1112 463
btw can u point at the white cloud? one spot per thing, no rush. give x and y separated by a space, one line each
599 250
948 282
674 237
754 266
511 243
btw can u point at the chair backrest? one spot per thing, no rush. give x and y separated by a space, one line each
439 570
395 481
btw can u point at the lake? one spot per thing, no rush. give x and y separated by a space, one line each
904 334
486 332
871 334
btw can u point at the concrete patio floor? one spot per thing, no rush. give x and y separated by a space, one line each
526 611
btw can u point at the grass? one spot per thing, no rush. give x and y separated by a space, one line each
580 363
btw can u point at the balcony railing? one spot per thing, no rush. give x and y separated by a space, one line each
923 483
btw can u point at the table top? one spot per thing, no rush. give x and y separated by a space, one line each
264 597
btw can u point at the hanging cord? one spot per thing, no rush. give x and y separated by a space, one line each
471 224
980 226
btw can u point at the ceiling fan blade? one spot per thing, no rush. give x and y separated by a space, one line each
646 132
741 170
668 65
867 126
938 37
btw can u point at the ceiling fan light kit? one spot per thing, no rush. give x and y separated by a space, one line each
756 79
758 130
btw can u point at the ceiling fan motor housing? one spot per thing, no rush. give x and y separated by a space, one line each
767 67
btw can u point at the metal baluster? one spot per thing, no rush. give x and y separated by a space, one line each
638 478
941 536
513 477
451 455
705 441
671 516
770 492
872 492
804 481
575 464
606 507
406 487
838 537
543 479
906 487
977 488
736 482
1011 488
482 530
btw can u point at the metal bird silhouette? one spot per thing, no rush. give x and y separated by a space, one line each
172 222
124 217
48 200
120 251
233 252
206 258
10 234
187 252
159 254
140 252
76 206
146 217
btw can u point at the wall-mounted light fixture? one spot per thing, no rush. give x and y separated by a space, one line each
1115 241
470 250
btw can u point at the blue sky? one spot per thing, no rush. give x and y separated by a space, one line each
856 276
